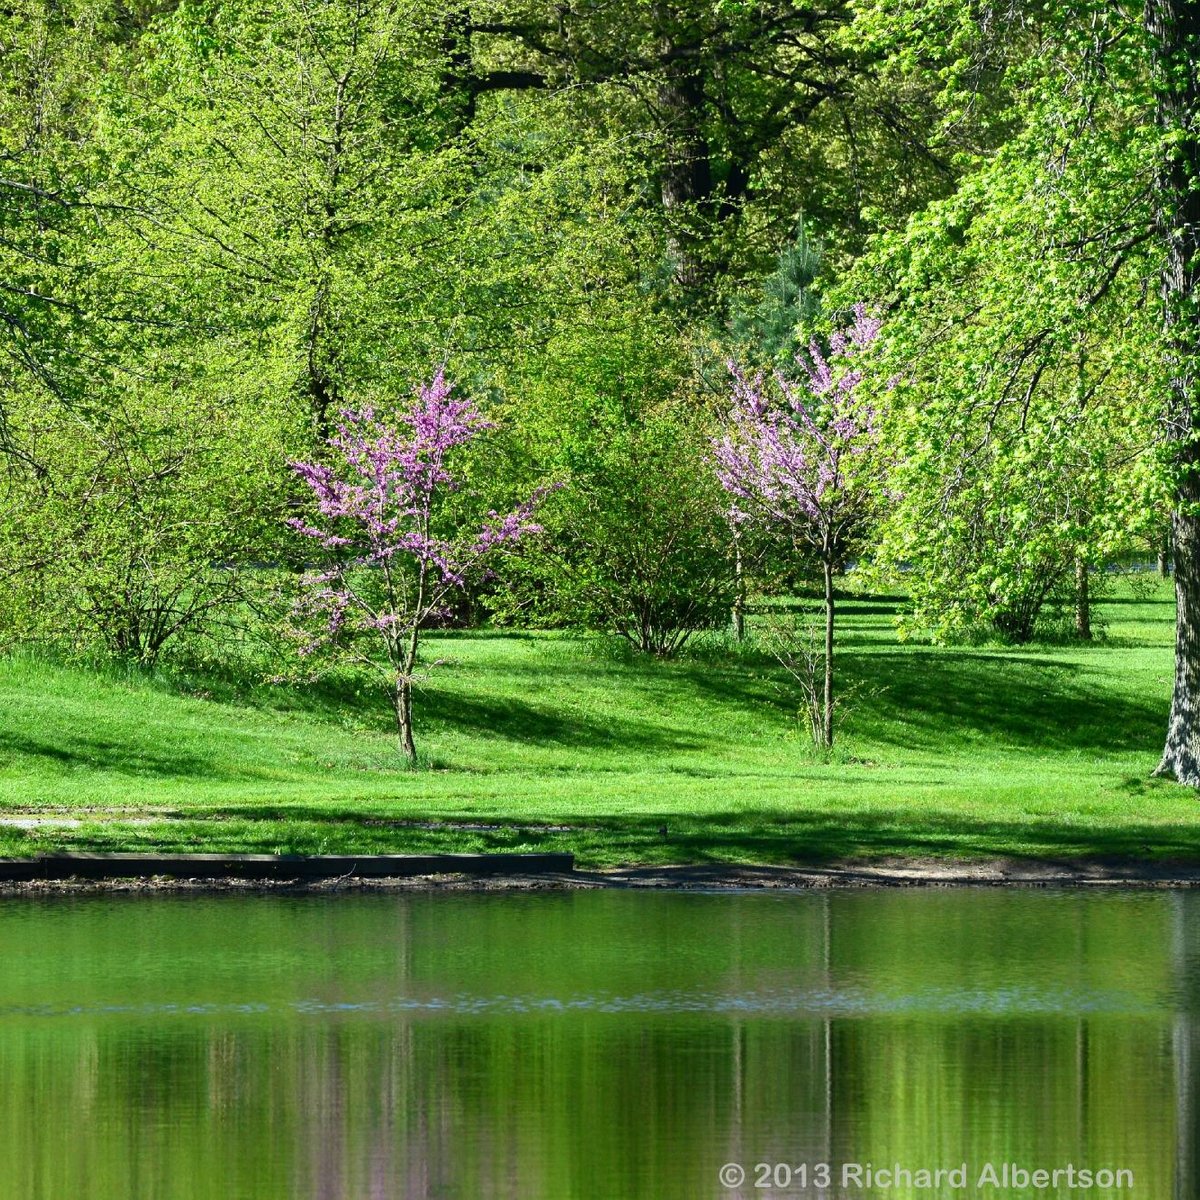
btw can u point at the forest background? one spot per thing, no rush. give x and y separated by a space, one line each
224 225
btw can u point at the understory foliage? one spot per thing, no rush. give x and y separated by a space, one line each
636 542
131 527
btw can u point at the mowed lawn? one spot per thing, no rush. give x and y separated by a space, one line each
550 741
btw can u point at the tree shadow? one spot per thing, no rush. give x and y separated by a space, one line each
914 697
757 836
521 721
910 696
118 757
900 831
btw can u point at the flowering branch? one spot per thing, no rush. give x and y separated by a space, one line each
800 459
392 564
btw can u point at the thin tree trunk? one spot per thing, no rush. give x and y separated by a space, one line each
1164 555
827 707
739 595
402 704
1174 28
1083 604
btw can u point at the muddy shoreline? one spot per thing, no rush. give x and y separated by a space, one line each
913 872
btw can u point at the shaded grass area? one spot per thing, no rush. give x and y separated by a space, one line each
548 742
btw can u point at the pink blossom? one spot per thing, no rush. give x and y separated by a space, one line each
392 560
787 457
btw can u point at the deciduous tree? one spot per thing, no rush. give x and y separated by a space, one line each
394 553
806 460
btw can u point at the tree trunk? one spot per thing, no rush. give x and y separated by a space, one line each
458 88
1164 555
1083 604
402 704
739 595
687 179
1181 755
827 704
1174 28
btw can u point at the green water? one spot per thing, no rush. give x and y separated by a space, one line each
594 1044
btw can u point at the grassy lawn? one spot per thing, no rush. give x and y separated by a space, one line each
554 742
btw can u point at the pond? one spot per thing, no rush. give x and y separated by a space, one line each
606 1044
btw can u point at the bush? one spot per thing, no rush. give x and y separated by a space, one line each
637 541
130 530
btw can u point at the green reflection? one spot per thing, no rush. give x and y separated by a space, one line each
590 1044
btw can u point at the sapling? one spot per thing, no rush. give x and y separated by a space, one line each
800 457
395 552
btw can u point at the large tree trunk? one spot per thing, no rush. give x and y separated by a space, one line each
1181 755
1174 27
687 178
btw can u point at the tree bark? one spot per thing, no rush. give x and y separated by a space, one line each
687 178
1174 28
1083 603
827 704
739 594
323 399
402 705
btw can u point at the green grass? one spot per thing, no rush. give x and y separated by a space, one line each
552 742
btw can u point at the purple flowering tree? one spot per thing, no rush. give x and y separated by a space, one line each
800 456
394 555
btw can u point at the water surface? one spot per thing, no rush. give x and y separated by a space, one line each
604 1045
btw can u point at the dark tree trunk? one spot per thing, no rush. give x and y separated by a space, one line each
458 83
1164 555
687 179
827 705
323 399
1083 603
1174 28
402 706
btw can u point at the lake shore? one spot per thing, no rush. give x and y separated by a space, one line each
893 872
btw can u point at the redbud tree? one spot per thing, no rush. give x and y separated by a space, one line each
393 550
801 456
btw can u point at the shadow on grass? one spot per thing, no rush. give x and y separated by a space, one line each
365 706
519 721
920 697
755 837
908 698
830 837
926 698
119 757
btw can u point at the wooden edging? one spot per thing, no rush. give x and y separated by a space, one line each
276 866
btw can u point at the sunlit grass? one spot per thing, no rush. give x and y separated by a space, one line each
1036 751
